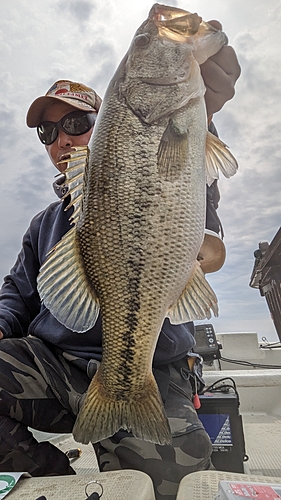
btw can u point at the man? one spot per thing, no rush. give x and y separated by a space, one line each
46 368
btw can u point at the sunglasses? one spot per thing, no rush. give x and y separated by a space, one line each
75 123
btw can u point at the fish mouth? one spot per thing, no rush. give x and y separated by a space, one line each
173 22
178 24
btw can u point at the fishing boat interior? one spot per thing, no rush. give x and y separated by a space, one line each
240 409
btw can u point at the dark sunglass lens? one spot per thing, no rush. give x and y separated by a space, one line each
47 132
76 125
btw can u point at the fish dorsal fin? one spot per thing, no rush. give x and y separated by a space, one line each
74 179
196 301
218 158
62 282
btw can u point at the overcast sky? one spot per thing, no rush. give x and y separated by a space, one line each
84 40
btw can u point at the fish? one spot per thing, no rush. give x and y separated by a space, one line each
138 198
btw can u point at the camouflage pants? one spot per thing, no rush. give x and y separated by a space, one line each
42 389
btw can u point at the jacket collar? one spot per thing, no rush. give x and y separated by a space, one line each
59 186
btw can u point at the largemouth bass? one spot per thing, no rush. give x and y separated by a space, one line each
139 218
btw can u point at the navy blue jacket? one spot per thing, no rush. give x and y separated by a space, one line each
22 313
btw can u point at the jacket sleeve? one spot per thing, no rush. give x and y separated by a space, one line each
19 299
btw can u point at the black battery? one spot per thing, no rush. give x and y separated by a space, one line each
219 413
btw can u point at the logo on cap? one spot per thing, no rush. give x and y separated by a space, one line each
70 89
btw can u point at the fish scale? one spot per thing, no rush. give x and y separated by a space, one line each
140 225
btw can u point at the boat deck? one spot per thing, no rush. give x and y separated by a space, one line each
263 445
259 391
262 439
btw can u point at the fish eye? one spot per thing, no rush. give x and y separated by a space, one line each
142 40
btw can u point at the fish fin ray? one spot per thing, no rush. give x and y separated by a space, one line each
172 152
74 179
100 417
64 288
218 158
196 301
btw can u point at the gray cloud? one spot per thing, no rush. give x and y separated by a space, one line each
84 41
103 59
8 128
80 10
173 3
100 49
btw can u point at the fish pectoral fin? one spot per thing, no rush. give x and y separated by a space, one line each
196 301
172 151
101 416
218 158
64 288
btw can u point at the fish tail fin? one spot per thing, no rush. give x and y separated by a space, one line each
196 301
102 416
218 158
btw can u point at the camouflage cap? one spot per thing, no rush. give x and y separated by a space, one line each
76 94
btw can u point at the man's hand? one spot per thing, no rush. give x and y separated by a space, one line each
220 73
1 335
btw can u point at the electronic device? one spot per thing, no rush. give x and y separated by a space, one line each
237 490
219 414
206 342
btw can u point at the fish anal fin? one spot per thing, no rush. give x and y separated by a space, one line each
102 415
64 288
196 301
218 158
172 151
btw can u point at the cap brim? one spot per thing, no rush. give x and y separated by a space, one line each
212 252
38 107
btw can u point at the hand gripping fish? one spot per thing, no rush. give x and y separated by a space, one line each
139 216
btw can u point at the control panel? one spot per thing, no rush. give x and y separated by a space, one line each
206 342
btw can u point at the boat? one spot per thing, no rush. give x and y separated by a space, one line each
240 406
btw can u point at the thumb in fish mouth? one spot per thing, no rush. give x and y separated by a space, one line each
215 24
